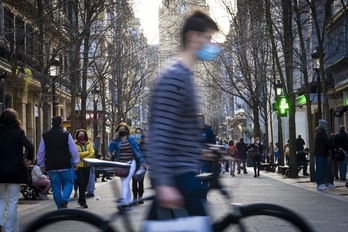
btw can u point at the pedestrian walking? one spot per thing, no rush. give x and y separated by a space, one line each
321 152
92 175
242 153
138 185
173 126
85 150
256 151
126 149
341 139
206 136
54 156
13 169
232 153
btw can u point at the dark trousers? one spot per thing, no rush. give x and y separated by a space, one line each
137 188
82 178
304 164
256 164
191 189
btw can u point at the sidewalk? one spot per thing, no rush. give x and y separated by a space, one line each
325 210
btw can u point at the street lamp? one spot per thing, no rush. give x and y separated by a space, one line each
54 73
316 67
279 92
279 88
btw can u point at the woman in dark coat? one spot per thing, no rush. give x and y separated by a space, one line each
13 166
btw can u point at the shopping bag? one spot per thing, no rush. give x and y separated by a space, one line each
181 223
140 173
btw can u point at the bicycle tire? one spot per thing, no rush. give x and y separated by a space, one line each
69 215
264 209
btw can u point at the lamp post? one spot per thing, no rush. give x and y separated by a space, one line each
278 93
316 66
54 73
3 90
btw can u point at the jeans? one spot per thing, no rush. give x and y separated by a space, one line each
233 165
12 190
321 164
256 164
343 168
61 180
276 156
125 181
91 182
192 192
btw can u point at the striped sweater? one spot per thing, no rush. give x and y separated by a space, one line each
173 146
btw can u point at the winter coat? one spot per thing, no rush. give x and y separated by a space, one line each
115 145
12 169
87 153
322 144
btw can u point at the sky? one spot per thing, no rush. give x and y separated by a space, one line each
147 11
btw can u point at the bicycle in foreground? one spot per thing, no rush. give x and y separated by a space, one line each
241 217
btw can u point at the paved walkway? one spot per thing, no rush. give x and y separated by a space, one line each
325 210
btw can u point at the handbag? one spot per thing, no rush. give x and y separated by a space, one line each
121 171
177 220
140 173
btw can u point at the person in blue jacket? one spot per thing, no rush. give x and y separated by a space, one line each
126 150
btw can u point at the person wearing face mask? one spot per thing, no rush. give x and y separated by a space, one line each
322 146
176 153
126 150
138 185
256 149
85 149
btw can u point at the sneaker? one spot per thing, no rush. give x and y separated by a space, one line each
43 196
330 186
305 174
75 195
321 187
343 179
64 204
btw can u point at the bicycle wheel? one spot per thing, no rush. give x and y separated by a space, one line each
263 217
59 218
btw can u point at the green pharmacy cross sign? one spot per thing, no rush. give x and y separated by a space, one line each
283 106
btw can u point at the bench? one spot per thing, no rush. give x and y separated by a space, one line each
265 166
285 169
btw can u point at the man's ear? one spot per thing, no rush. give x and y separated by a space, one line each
192 38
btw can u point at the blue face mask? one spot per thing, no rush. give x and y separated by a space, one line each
208 52
138 136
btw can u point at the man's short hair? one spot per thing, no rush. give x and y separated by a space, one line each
197 21
57 120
